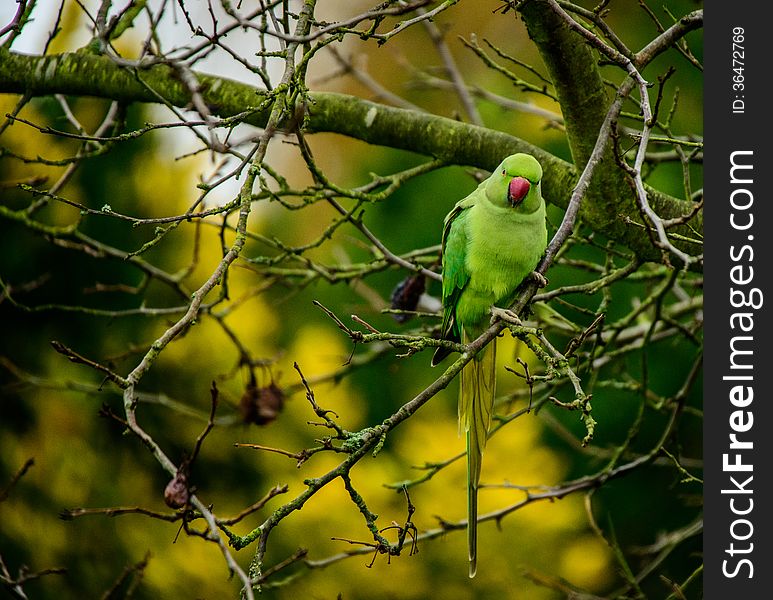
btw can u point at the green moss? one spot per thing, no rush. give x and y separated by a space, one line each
608 206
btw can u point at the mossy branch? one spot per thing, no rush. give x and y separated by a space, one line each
446 139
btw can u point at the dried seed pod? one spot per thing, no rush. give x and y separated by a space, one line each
261 405
177 494
406 296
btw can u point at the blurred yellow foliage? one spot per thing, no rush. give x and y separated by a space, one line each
585 562
79 464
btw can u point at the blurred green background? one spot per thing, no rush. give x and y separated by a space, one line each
49 408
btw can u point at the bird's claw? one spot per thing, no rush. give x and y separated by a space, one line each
538 278
505 315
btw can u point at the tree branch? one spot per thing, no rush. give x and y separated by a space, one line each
447 139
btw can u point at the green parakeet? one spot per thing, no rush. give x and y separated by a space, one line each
492 240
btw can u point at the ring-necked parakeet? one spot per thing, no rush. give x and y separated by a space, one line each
492 240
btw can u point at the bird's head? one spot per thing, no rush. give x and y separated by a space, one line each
516 184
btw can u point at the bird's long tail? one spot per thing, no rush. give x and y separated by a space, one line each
476 403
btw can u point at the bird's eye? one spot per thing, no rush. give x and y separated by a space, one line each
504 171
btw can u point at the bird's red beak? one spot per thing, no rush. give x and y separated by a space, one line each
517 190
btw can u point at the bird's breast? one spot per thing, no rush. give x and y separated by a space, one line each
503 248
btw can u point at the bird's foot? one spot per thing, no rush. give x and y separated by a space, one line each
505 315
537 278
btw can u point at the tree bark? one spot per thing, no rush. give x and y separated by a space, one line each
82 74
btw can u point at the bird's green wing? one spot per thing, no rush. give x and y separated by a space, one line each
455 274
